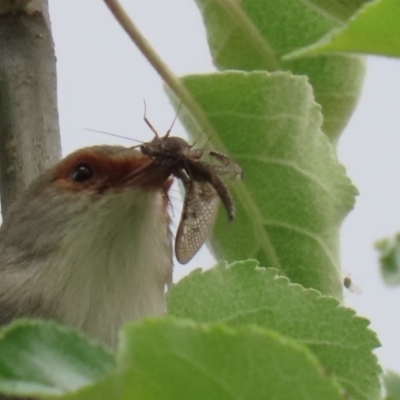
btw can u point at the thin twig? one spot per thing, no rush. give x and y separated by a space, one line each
172 81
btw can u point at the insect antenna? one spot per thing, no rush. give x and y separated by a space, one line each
209 139
175 198
148 122
172 207
174 120
114 135
198 138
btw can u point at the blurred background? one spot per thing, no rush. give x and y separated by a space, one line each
103 79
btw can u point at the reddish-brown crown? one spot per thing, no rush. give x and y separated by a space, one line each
108 167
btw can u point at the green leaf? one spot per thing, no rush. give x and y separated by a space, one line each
171 359
392 385
295 193
42 359
243 293
111 387
389 259
375 29
253 35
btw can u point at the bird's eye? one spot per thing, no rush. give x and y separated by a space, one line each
81 173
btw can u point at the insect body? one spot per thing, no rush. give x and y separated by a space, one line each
202 186
349 284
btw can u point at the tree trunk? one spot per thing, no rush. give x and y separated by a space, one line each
29 132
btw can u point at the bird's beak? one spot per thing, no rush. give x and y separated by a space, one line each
145 172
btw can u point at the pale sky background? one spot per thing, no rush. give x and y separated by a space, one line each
103 79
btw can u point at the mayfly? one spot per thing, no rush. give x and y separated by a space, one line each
202 186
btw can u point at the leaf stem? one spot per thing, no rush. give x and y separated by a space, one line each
158 64
144 46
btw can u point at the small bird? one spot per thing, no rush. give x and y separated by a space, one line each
89 243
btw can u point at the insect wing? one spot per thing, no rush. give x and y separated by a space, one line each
198 216
227 165
351 286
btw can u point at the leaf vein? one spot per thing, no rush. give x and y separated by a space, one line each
276 116
286 163
227 389
305 232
